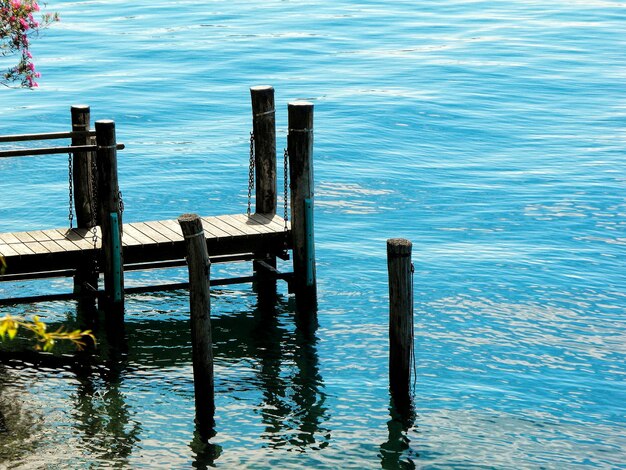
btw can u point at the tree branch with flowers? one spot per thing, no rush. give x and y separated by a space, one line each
17 26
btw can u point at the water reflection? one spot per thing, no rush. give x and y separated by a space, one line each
293 406
107 425
275 369
396 452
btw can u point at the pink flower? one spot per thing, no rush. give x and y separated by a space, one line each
24 24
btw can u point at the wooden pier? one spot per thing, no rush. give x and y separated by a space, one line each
102 244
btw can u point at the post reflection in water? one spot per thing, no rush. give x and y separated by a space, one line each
107 425
396 452
293 407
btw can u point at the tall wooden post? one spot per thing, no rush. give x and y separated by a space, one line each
400 319
86 278
264 130
300 148
110 218
200 306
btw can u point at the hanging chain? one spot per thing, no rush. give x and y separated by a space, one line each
286 185
119 194
70 171
413 329
251 172
94 206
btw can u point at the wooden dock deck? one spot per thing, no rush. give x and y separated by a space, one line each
28 253
95 200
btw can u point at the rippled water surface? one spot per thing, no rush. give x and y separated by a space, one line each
491 134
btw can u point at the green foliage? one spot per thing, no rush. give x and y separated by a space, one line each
9 326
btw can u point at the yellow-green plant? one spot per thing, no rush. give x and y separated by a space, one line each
9 326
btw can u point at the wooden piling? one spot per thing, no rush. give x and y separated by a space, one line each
200 307
110 217
300 149
400 319
264 130
86 278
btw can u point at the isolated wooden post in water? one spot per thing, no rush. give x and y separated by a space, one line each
200 305
400 318
110 217
300 148
264 130
83 193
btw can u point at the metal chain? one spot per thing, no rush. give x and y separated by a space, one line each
251 172
119 193
94 205
286 185
413 329
70 171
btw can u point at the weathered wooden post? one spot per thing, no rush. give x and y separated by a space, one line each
110 217
264 131
200 306
86 278
400 319
300 149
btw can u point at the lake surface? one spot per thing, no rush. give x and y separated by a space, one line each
491 134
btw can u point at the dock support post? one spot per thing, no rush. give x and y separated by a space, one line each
86 278
200 307
400 320
110 218
264 131
300 149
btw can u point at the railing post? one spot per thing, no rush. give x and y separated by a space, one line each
110 218
264 130
200 309
400 320
300 149
86 279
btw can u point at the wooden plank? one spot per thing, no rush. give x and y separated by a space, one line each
275 221
225 226
128 239
23 237
21 249
137 235
173 227
6 250
152 233
163 230
38 248
81 237
63 237
9 238
58 238
43 238
54 247
213 231
27 239
240 224
254 223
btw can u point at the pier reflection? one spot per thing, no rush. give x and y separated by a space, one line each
277 371
396 452
293 406
108 427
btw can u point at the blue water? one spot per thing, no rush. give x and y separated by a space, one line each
491 134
